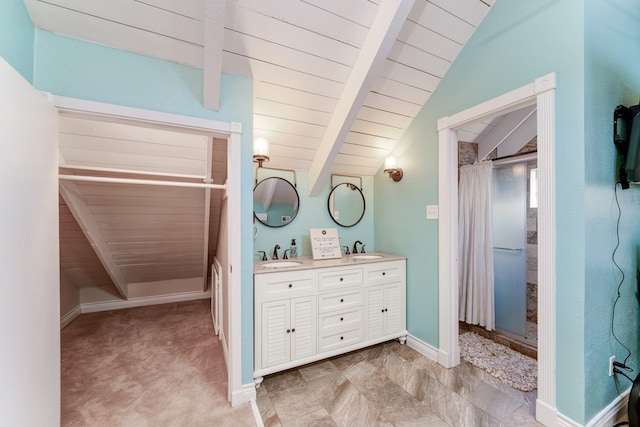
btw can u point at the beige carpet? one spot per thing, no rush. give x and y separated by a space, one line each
149 366
513 368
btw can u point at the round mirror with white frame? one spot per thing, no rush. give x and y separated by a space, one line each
346 204
275 202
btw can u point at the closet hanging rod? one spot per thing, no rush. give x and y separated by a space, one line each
507 249
515 158
141 182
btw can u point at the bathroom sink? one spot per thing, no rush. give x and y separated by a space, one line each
280 264
356 257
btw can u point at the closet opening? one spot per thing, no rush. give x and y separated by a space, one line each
150 207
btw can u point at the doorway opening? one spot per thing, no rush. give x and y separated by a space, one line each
514 254
541 94
229 253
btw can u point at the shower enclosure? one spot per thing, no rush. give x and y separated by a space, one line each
510 204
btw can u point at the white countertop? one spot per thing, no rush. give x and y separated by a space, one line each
307 262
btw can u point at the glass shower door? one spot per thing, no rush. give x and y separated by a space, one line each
509 247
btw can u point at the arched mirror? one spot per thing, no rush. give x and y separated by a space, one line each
275 202
346 204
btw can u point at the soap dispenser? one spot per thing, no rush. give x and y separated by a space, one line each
293 249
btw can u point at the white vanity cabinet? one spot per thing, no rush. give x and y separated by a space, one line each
385 298
319 311
286 317
340 302
289 330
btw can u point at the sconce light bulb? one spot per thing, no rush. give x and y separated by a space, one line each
260 151
391 167
390 163
261 147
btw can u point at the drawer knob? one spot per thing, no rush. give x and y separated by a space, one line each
290 285
341 319
382 311
341 338
384 273
293 330
341 279
288 331
341 299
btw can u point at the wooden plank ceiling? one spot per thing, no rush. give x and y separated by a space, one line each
140 233
336 84
301 55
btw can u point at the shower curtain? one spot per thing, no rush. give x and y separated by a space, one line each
475 245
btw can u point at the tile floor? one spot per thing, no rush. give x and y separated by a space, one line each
391 385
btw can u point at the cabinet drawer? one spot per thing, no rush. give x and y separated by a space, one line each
285 286
341 339
339 300
331 324
384 272
333 280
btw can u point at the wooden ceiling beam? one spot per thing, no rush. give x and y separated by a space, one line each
388 22
213 37
80 211
505 127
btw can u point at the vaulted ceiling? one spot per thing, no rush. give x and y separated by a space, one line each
133 212
336 83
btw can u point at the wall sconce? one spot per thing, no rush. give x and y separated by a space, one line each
391 167
260 151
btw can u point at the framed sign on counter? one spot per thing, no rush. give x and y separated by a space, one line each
325 243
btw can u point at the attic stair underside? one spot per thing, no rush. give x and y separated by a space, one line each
142 197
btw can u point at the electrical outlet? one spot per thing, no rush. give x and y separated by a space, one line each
432 211
612 360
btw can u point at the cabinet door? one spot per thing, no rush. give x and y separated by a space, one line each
303 327
374 324
393 312
276 341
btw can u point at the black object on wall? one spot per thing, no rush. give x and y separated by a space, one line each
626 137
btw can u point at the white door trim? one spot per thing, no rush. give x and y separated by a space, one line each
230 131
541 92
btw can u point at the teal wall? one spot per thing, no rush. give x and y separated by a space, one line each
593 49
16 37
515 44
74 68
612 77
313 213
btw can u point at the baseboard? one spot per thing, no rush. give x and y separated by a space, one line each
225 349
256 413
615 411
246 394
612 413
545 414
143 301
563 421
422 347
68 318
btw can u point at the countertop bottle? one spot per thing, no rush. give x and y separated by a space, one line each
293 249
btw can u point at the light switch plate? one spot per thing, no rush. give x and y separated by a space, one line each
432 211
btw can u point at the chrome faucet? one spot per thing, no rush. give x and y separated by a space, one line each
275 252
355 247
